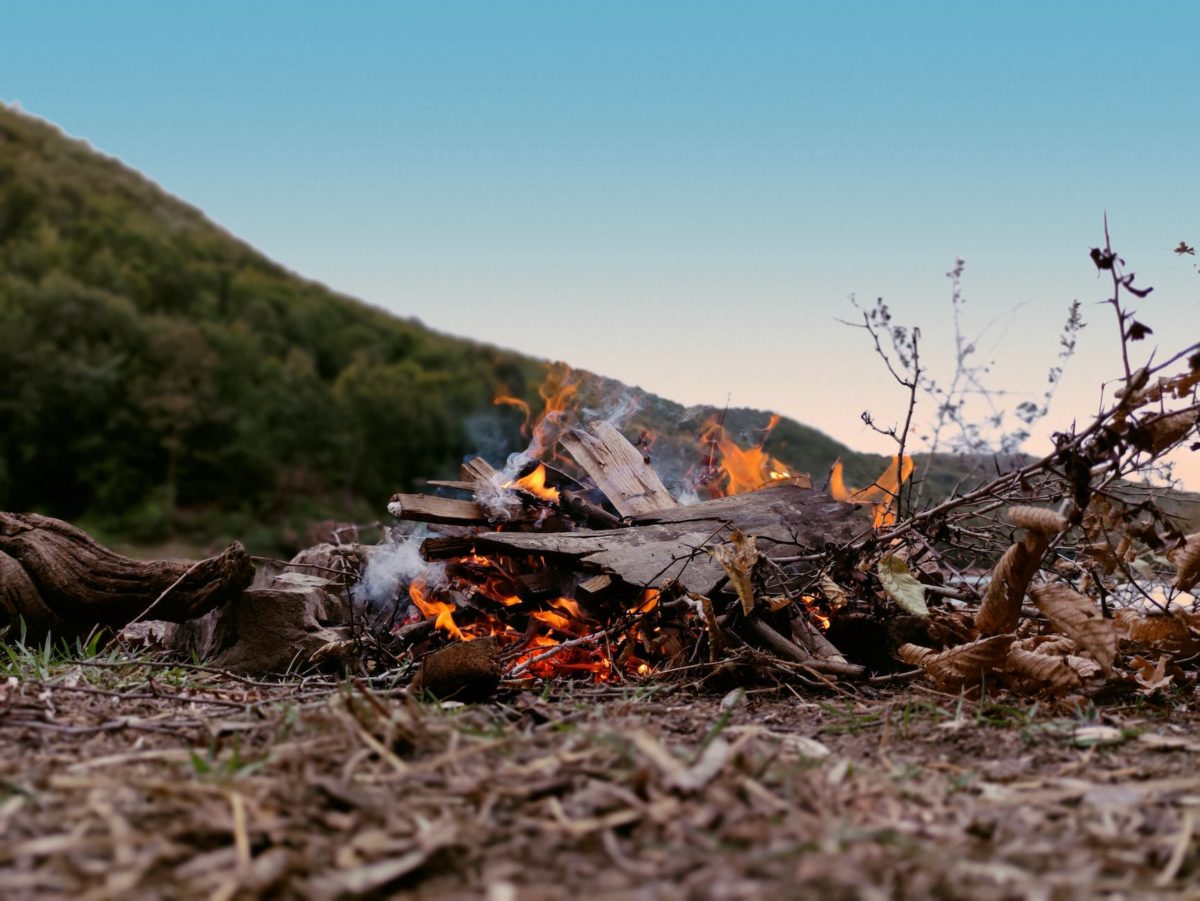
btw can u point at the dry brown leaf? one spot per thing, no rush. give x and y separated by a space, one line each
834 593
1161 631
1166 431
1037 518
966 664
1076 616
1000 610
1056 674
1151 676
1187 563
737 557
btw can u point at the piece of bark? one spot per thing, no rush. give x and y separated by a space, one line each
618 468
61 581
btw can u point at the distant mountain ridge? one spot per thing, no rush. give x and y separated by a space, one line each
164 376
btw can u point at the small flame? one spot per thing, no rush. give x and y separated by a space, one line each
535 484
443 611
648 602
810 603
571 606
881 495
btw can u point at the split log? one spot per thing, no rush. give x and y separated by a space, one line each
61 581
671 545
618 468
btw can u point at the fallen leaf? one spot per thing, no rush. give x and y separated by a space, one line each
902 586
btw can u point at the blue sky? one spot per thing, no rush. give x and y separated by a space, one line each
680 195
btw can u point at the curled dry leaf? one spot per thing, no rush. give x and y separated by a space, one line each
834 593
1046 644
1076 616
1039 519
1000 610
966 664
1055 674
737 557
1187 563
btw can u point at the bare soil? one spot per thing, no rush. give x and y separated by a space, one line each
154 780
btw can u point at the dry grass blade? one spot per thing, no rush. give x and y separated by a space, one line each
1187 563
1001 608
1039 519
737 557
1076 616
966 664
1054 674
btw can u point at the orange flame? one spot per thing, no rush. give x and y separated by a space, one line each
556 392
881 495
535 484
810 603
742 469
443 611
519 404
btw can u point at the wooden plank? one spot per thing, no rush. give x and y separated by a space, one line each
593 587
444 510
785 521
618 469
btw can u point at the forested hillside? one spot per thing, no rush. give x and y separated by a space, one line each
162 377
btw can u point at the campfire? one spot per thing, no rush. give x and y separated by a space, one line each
577 560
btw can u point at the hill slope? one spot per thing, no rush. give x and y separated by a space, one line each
162 375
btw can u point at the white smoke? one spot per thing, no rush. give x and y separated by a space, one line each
392 567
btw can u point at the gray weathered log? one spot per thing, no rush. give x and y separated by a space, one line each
58 580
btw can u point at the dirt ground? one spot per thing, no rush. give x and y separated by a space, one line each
150 779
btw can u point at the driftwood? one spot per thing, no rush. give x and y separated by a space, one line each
58 580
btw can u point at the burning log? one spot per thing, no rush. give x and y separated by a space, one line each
58 580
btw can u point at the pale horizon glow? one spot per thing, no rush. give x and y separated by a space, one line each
682 196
